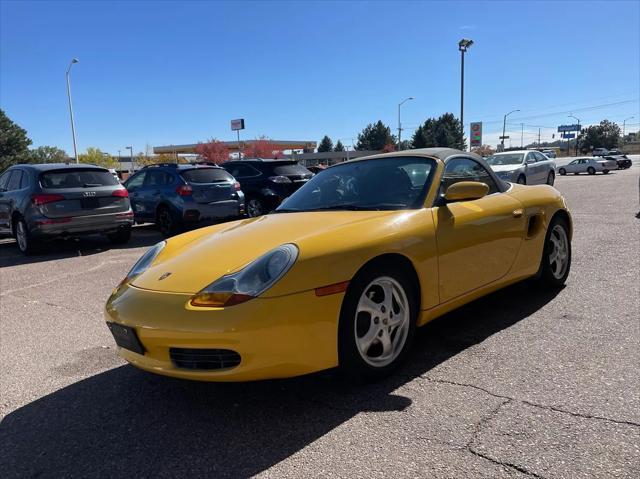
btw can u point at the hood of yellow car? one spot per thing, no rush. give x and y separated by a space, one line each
198 258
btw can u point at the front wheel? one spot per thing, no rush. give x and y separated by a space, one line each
377 321
562 171
522 180
605 172
591 170
556 256
255 207
551 178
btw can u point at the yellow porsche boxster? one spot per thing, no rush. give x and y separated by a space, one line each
341 273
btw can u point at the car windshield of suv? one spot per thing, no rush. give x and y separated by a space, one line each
506 159
383 184
289 169
206 175
77 178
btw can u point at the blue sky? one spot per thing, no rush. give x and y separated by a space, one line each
163 73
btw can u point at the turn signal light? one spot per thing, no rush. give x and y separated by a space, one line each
219 300
42 199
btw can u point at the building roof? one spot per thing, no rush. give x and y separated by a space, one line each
233 146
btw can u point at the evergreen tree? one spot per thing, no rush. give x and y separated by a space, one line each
339 146
14 143
443 132
325 145
376 136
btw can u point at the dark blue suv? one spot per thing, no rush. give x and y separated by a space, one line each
175 196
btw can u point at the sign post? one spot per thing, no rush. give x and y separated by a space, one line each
476 134
237 125
568 133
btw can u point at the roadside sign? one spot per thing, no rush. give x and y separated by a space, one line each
568 136
504 137
476 134
563 128
237 124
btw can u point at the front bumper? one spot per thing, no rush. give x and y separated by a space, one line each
275 337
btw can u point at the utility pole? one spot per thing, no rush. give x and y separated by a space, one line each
624 124
521 135
399 123
539 137
463 46
73 127
504 126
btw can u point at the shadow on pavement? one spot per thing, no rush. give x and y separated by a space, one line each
124 422
143 235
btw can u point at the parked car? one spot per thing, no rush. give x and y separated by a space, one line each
45 201
114 173
266 183
600 152
588 165
524 167
339 276
549 153
176 196
622 160
316 169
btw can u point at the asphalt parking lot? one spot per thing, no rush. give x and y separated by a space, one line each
517 384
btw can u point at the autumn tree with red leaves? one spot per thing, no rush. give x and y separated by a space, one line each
214 151
263 147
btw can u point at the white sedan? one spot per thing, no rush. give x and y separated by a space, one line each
588 165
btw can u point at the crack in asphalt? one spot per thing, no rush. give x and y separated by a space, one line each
529 403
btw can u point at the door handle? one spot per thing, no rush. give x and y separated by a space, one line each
518 213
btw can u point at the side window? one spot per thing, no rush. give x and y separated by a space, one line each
136 181
25 180
15 180
4 179
158 178
531 156
540 156
466 169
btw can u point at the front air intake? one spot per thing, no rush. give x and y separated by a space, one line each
204 359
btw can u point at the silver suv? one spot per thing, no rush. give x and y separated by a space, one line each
39 202
524 167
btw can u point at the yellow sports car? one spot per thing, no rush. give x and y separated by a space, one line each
341 273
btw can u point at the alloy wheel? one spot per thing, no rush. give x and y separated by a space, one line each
382 321
254 208
21 236
165 222
559 255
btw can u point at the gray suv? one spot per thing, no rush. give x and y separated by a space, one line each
39 202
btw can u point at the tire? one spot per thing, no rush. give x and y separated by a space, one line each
591 170
255 207
554 273
26 243
122 236
562 171
551 178
167 222
359 327
605 172
522 180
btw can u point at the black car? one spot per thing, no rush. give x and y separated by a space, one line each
622 160
39 202
266 183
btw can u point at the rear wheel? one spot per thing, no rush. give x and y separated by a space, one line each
556 257
562 171
255 207
522 180
551 178
122 236
605 172
26 244
377 321
166 221
591 170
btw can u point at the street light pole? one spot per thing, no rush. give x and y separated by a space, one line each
133 164
73 127
399 123
624 124
463 46
569 139
504 126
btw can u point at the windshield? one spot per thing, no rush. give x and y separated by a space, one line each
77 178
506 159
383 184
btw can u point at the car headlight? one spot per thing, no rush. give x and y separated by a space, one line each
144 262
250 282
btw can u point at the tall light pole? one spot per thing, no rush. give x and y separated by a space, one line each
133 165
399 123
504 126
73 126
463 46
569 139
624 124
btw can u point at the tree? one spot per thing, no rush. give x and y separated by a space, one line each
444 132
14 143
214 150
339 146
604 135
263 147
94 156
388 148
375 137
47 154
325 145
484 150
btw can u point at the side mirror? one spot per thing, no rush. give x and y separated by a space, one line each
466 191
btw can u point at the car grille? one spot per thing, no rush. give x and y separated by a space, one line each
204 359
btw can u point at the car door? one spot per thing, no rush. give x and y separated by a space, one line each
573 166
477 240
531 168
543 166
5 203
250 178
134 186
